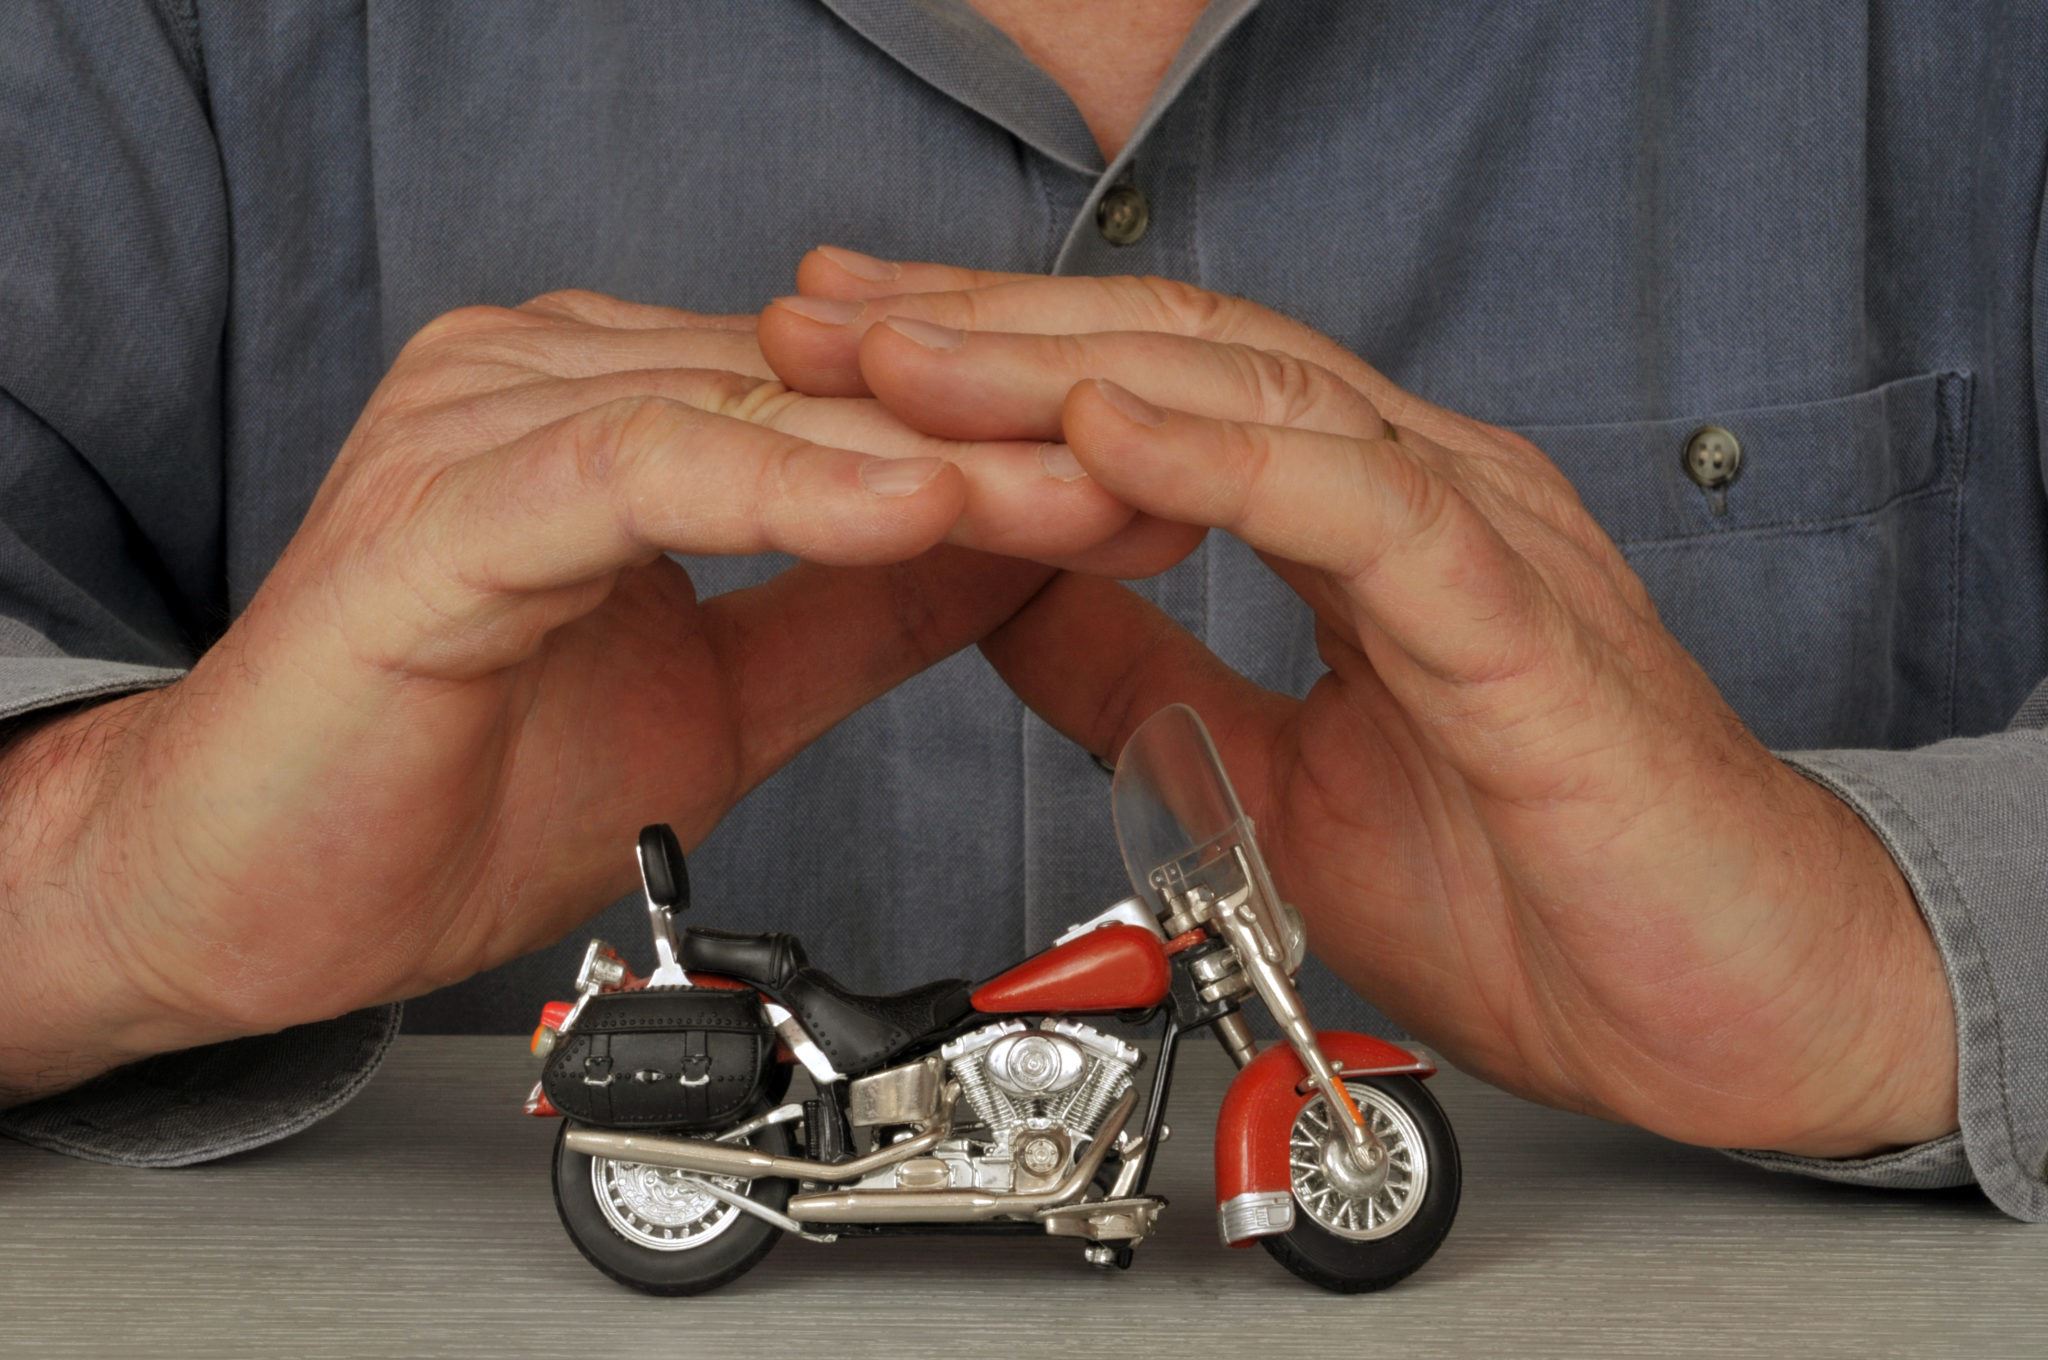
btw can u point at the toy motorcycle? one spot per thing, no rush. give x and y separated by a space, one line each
990 1107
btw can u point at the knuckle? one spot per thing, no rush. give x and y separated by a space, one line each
604 457
1419 505
601 445
1521 474
968 310
1286 388
455 341
423 413
1512 445
1423 502
1531 639
758 401
575 301
1598 581
1495 481
1071 354
1248 454
780 458
464 323
774 500
1170 304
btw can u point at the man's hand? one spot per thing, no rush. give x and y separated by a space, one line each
1517 815
473 673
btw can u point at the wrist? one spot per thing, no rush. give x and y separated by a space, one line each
75 997
1890 1028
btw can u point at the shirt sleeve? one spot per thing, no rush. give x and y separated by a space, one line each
114 276
1967 821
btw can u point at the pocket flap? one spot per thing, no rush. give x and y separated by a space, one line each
1802 465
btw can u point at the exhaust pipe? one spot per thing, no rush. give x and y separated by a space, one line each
708 1158
963 1206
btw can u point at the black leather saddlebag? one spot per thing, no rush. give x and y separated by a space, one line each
664 1057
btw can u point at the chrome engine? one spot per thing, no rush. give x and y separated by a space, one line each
1032 1095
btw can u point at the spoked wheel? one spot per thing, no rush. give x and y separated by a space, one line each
1357 1229
652 1228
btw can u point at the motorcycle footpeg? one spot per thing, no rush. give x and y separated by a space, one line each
1126 1222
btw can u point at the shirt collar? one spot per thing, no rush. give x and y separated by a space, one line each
950 47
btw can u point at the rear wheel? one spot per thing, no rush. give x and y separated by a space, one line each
649 1227
1354 1230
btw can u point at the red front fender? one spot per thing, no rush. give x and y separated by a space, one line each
1259 1109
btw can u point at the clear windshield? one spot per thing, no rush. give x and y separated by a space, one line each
1178 821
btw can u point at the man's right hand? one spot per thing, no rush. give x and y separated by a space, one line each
473 672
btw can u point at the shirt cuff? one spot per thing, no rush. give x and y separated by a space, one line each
177 1109
33 684
1934 1165
1967 822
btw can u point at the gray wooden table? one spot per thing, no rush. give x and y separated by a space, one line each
418 1221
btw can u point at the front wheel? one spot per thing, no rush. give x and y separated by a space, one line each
646 1227
1355 1232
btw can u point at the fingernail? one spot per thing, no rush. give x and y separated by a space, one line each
1129 404
1060 463
830 311
926 333
898 476
861 266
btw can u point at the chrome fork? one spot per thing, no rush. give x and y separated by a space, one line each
1264 960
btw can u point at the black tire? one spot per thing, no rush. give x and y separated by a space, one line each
1345 1266
736 1249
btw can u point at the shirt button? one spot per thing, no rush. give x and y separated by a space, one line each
1712 457
1122 215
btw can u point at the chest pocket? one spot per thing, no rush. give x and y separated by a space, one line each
1818 587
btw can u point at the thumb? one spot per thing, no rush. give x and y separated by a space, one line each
1094 660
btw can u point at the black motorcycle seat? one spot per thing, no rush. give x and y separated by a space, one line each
767 960
856 1030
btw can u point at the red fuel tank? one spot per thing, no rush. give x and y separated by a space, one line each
1111 968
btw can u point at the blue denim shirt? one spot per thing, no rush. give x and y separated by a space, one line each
1605 224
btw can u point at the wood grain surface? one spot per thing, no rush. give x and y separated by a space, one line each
418 1221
